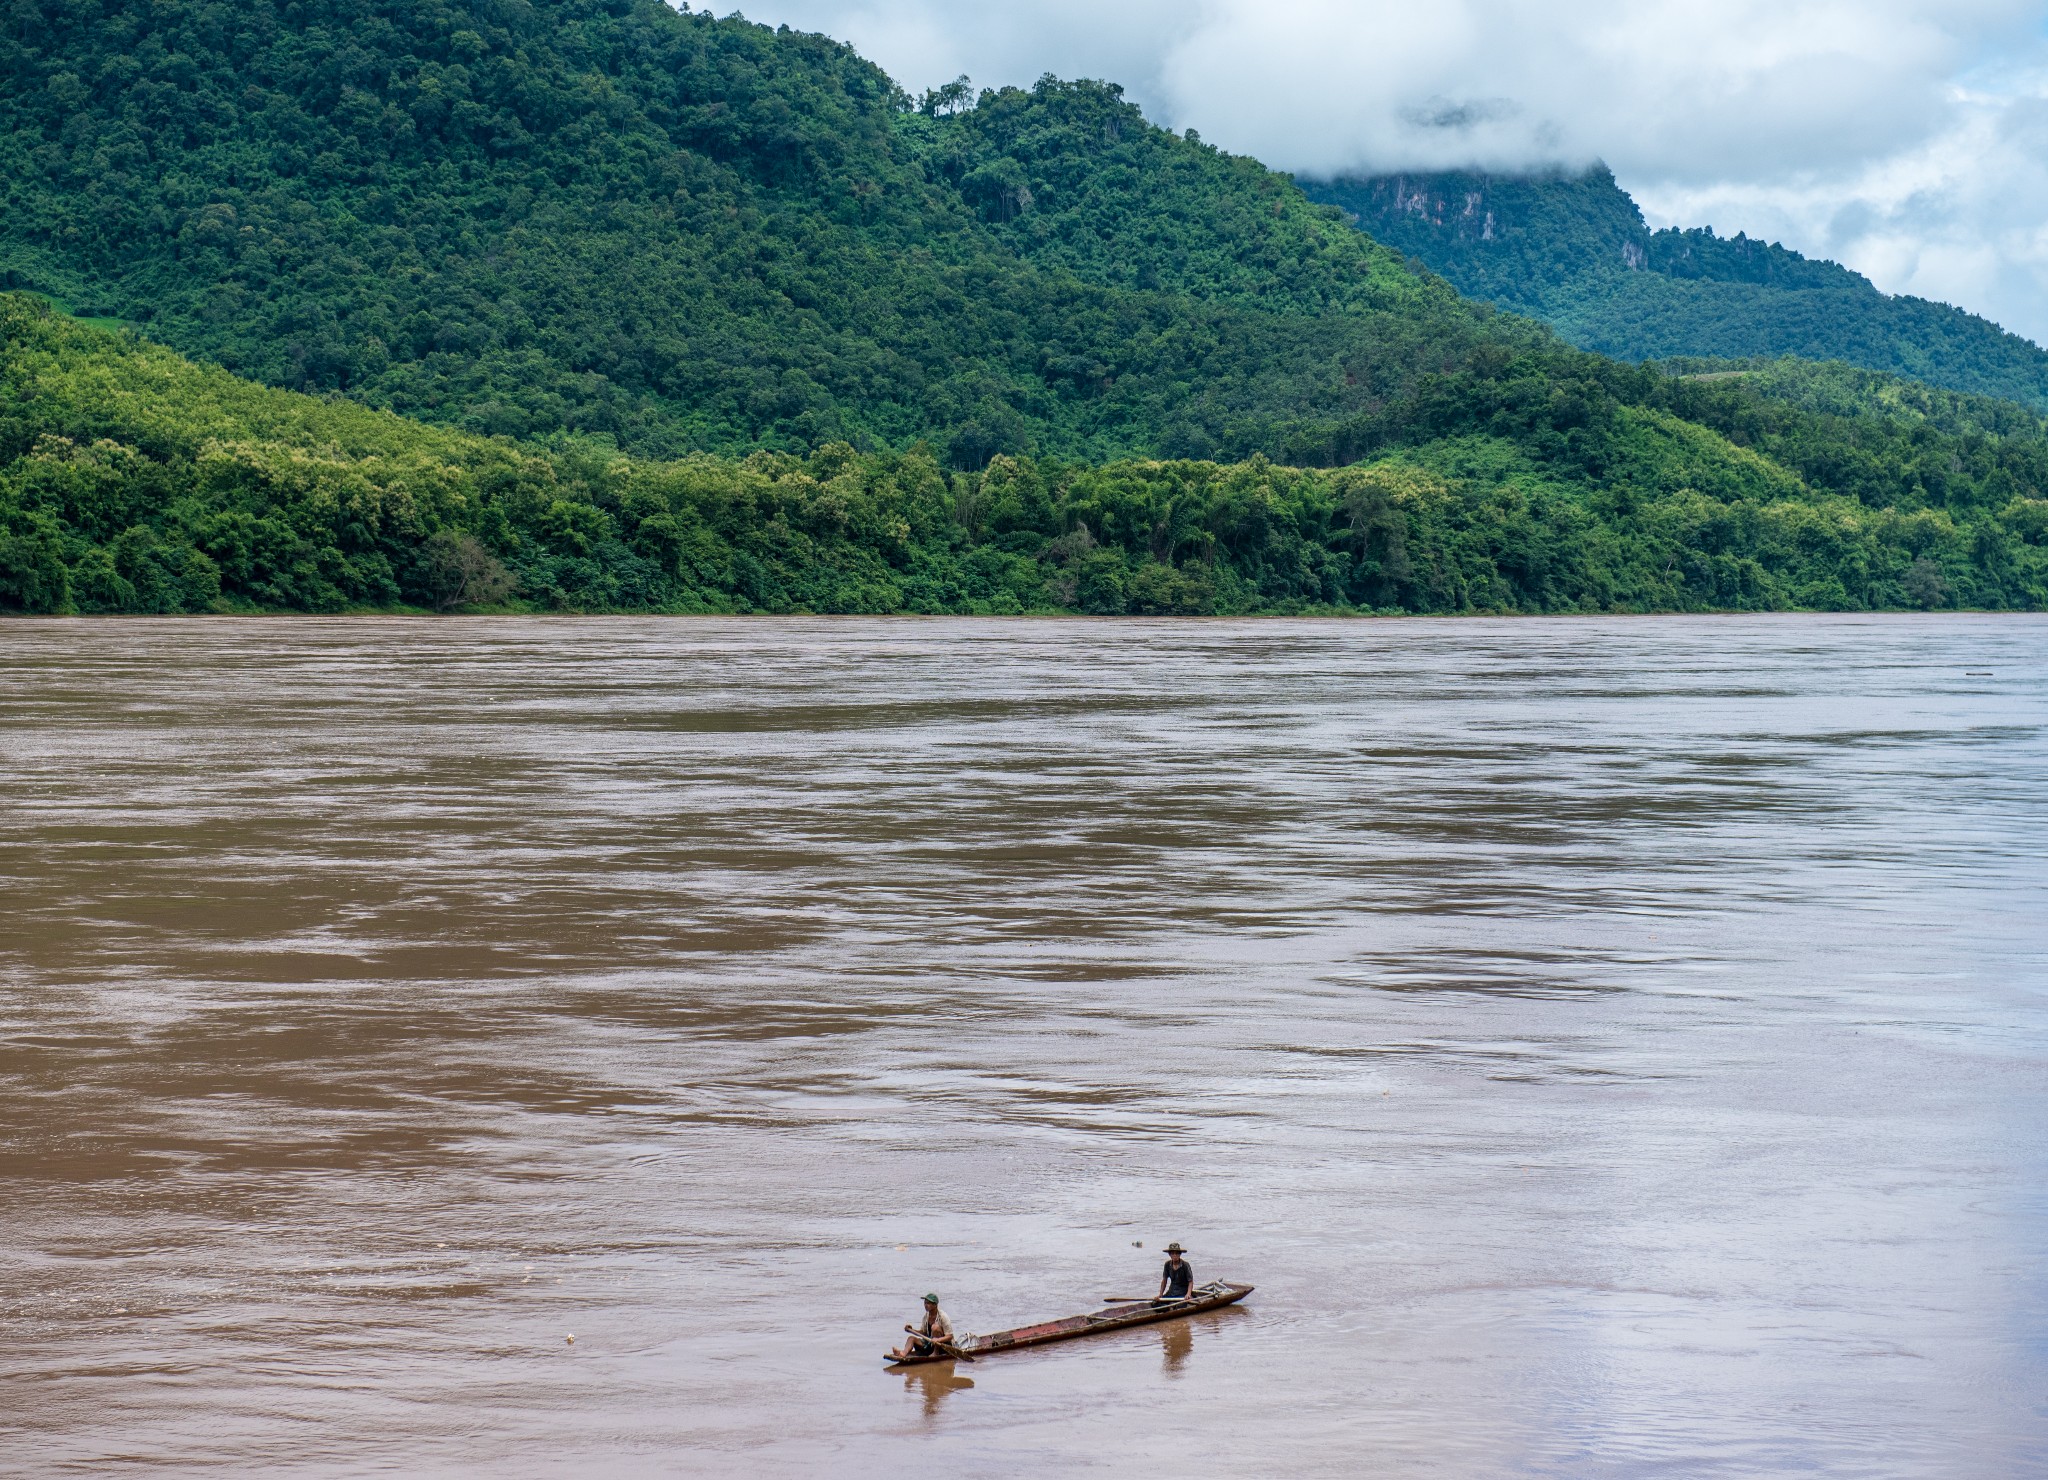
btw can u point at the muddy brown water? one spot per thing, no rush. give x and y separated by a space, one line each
1612 1047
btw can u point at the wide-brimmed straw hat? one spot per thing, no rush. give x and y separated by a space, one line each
1175 1248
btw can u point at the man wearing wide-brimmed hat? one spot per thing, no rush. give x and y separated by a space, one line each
1179 1276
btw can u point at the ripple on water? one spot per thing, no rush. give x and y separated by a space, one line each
1612 1046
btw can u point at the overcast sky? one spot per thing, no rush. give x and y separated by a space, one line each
1906 138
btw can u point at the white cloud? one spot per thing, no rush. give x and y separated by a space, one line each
1960 216
1670 86
1901 136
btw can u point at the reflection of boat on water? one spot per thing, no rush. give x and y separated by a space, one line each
933 1383
1110 1318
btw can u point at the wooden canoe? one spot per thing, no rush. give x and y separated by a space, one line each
1109 1318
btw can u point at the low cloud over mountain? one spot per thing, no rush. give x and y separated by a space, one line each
1902 137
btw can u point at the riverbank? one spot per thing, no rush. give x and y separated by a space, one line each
134 481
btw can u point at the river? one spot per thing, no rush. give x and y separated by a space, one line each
1612 1047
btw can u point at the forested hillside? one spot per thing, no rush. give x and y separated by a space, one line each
133 480
1573 250
605 216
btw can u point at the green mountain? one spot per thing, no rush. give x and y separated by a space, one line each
1573 251
602 216
132 479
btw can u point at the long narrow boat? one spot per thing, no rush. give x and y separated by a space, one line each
1109 1318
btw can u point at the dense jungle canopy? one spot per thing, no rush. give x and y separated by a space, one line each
134 480
605 216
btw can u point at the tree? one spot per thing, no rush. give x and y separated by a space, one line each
943 102
456 570
1924 584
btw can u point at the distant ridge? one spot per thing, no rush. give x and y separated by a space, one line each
1573 250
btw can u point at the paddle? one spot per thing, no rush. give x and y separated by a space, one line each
1145 1299
943 1348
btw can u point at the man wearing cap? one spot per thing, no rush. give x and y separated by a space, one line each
935 1332
1179 1276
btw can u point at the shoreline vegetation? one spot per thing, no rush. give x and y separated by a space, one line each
133 480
